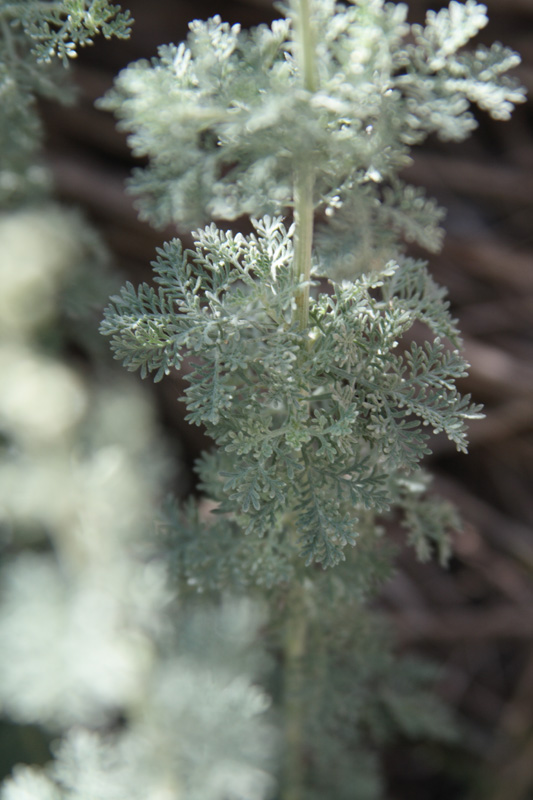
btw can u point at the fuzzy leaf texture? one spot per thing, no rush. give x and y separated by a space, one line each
143 696
35 36
215 116
56 29
314 422
361 693
200 729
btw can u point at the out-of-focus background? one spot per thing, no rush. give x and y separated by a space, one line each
476 618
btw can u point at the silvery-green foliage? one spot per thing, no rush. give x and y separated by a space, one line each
34 36
73 651
208 552
75 617
90 631
316 425
320 426
313 423
427 519
362 695
224 118
371 226
57 29
56 277
198 727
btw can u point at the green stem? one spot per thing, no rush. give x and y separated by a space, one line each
295 640
303 241
305 44
304 172
296 625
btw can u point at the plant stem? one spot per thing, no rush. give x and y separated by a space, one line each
303 241
306 50
304 173
296 624
295 639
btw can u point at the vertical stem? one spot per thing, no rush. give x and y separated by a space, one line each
295 636
306 50
303 240
304 173
296 624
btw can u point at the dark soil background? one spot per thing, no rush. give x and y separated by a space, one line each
475 618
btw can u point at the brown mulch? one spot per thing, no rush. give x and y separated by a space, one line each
476 617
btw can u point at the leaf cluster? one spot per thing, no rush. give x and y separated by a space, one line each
56 29
362 695
35 36
319 428
215 115
142 696
199 726
310 424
